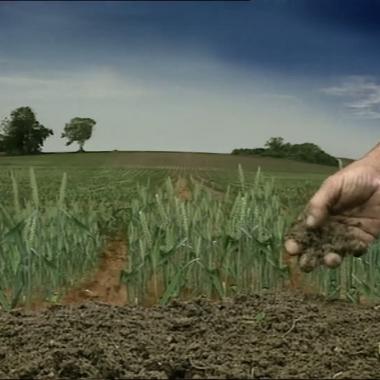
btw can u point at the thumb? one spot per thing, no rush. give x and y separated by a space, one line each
323 201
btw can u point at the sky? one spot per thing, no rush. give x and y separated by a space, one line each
197 76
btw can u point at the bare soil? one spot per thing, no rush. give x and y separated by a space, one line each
182 189
104 284
283 335
208 186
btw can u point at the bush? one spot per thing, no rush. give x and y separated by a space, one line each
276 147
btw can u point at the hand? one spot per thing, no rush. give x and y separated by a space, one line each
342 218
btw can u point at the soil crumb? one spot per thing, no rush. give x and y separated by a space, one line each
333 238
267 336
104 285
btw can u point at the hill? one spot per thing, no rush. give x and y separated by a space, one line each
162 160
305 152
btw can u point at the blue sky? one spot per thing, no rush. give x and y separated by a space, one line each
197 76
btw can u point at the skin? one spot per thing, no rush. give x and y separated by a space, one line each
350 197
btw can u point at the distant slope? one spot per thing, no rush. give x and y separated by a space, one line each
345 161
163 159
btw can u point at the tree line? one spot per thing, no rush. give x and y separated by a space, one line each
22 133
277 147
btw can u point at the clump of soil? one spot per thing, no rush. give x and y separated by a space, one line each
282 335
331 238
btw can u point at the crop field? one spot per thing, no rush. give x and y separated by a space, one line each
185 246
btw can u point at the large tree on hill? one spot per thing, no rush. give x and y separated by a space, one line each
78 130
275 144
22 133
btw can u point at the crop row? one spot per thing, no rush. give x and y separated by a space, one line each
202 241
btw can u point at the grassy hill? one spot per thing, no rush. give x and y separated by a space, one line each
137 159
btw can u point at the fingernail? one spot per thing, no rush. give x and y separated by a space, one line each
292 247
310 221
332 260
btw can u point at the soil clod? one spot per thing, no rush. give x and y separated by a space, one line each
326 245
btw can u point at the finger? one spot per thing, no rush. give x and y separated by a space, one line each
360 241
369 225
332 260
322 202
364 239
370 208
293 247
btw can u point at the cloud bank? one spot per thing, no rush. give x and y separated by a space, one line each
360 95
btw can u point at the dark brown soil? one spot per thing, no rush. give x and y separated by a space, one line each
332 237
284 335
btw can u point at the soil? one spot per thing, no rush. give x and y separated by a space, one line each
204 183
332 237
182 189
104 285
295 274
283 335
286 334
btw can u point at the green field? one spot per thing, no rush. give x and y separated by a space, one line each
92 173
118 159
192 223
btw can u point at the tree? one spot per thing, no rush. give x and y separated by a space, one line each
276 147
78 130
22 133
2 145
275 144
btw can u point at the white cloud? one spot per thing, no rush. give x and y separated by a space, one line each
91 85
202 106
361 95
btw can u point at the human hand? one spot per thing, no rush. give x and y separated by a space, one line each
342 218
